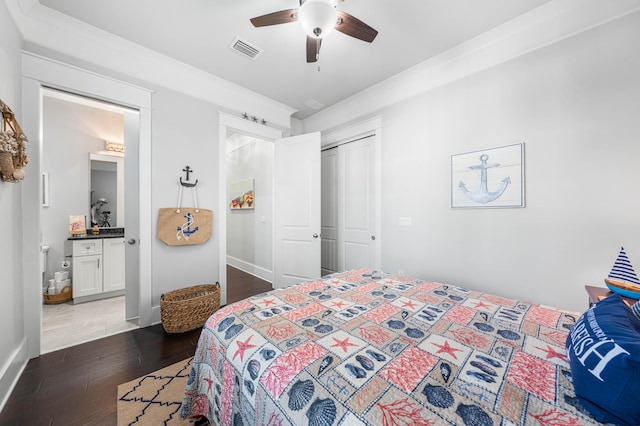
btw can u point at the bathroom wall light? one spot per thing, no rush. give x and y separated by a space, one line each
114 146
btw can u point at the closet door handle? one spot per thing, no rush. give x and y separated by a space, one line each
315 235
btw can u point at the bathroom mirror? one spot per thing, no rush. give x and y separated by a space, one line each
106 198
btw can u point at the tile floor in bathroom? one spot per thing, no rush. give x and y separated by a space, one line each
67 324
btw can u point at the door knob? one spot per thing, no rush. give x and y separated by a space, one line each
131 241
373 237
315 235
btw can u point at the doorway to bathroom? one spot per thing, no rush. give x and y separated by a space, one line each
83 165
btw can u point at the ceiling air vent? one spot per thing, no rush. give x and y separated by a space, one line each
245 48
313 104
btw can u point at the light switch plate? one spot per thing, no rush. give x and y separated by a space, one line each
404 221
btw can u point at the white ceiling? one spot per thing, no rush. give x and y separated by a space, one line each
199 32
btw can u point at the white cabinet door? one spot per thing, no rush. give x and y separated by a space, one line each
87 275
113 268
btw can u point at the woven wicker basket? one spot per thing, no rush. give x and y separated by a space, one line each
65 295
189 308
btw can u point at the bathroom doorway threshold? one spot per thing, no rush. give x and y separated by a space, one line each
66 324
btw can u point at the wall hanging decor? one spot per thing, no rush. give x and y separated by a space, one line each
242 194
12 147
179 226
491 178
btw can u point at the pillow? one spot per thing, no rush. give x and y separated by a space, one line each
603 348
635 308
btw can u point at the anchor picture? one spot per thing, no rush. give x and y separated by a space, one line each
484 195
491 178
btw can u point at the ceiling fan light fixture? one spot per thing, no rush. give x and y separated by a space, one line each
317 17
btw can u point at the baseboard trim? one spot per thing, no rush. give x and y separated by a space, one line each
155 315
251 269
100 296
11 372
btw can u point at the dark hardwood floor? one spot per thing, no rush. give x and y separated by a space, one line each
242 285
78 385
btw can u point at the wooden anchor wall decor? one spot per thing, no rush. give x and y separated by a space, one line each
12 147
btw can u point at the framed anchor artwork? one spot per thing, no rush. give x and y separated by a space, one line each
490 178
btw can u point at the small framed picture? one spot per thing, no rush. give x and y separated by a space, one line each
77 225
242 194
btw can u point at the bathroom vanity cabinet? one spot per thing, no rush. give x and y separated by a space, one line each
97 268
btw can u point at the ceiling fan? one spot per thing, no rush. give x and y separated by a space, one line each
318 18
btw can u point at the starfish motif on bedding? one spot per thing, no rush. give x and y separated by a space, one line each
446 348
409 304
480 304
268 302
242 347
552 353
209 383
343 344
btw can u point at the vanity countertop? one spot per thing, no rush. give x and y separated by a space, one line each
104 233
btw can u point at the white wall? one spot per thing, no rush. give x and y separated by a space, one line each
575 105
185 132
70 132
13 354
249 238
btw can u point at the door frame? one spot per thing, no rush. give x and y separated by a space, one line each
39 72
370 127
230 123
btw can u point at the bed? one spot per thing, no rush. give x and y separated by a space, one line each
370 348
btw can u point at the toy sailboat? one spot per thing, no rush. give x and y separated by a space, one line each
622 279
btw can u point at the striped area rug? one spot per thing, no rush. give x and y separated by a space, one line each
155 399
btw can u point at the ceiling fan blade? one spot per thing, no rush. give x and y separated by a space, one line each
275 18
313 49
354 27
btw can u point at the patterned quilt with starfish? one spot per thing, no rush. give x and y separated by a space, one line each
369 348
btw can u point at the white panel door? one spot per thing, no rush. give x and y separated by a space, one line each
132 214
297 209
329 200
357 213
